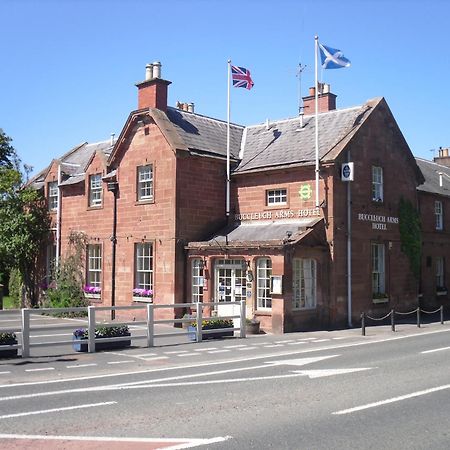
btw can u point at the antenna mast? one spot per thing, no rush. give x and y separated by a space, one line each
300 69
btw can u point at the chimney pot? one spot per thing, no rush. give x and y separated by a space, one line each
191 107
148 72
156 69
312 91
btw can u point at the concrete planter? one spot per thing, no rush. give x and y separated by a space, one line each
253 327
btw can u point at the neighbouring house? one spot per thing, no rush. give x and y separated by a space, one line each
304 252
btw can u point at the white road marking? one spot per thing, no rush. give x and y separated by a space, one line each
436 350
219 351
155 358
184 442
299 361
296 343
205 349
307 339
42 369
340 338
216 363
76 366
321 340
246 348
143 355
176 352
3 373
393 400
284 342
234 346
136 383
190 354
46 411
329 372
128 361
274 345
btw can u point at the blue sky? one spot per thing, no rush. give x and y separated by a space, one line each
69 67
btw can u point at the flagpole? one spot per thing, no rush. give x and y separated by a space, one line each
316 102
228 144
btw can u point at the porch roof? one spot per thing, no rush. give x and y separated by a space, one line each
263 233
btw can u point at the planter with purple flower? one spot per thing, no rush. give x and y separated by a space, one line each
80 337
93 292
142 295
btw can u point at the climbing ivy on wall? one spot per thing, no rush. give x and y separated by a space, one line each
410 235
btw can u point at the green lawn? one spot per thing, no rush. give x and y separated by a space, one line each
8 303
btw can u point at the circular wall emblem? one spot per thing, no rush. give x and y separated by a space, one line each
346 171
305 191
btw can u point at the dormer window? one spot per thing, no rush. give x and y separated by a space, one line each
377 184
52 189
95 190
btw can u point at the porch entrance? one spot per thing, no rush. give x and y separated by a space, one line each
230 286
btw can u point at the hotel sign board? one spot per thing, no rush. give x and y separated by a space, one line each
279 214
378 222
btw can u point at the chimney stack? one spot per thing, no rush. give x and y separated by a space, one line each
327 100
443 158
152 93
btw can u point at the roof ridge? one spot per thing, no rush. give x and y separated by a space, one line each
206 117
309 116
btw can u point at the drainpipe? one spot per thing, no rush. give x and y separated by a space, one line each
113 187
349 250
58 219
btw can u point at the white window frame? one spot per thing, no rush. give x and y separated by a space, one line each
94 265
440 272
263 278
143 265
304 284
198 279
439 214
144 180
95 190
276 197
52 191
377 184
50 262
378 256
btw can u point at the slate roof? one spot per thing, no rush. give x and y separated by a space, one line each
76 161
430 171
205 134
258 233
285 142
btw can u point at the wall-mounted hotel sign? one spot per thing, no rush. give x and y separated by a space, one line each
378 222
279 214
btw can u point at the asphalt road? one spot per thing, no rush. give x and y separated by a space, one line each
321 390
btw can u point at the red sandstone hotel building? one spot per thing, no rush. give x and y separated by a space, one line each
160 189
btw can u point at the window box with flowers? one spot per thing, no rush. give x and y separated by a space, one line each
7 339
142 295
92 292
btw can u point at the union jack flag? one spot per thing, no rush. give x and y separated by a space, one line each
241 77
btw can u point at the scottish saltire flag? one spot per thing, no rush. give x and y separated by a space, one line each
332 58
241 77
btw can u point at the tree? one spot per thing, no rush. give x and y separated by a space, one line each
24 222
8 156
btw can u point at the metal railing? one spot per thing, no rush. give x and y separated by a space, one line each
392 313
90 323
